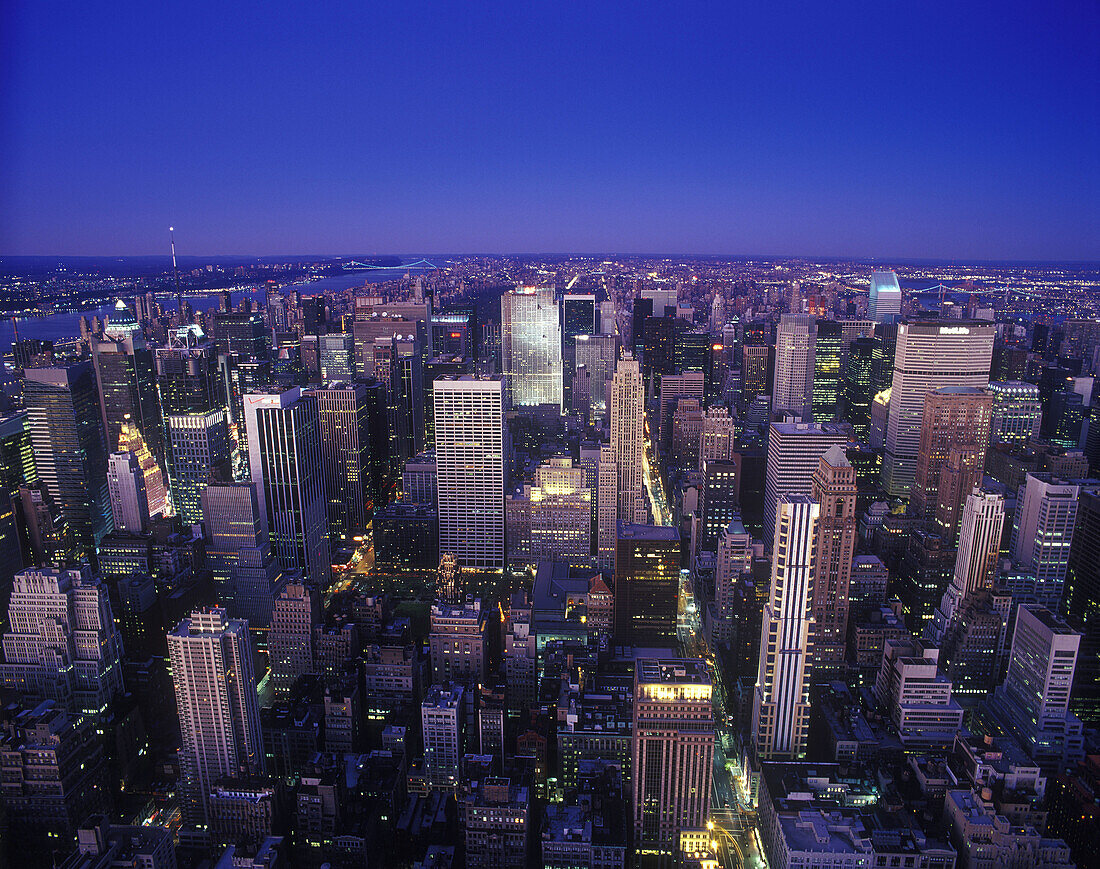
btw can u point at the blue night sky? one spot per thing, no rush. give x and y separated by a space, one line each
955 129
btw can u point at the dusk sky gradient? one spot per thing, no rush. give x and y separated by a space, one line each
926 130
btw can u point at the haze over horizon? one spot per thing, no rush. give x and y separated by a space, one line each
851 131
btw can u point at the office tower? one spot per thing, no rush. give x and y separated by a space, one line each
457 642
240 332
781 711
673 388
956 419
830 351
793 386
929 355
496 819
858 386
296 611
734 561
126 488
156 492
691 351
979 541
219 713
1042 533
794 450
418 480
69 449
756 365
1065 419
578 318
647 585
687 432
552 519
1017 412
916 695
719 501
673 755
607 508
717 318
126 379
354 440
337 357
442 719
719 435
187 378
284 454
198 452
239 553
627 431
834 489
531 346
62 644
884 302
1033 703
1081 605
597 353
927 565
470 444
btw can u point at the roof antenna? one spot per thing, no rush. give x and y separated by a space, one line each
175 271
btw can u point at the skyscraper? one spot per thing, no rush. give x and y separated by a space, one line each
443 724
884 303
297 610
337 357
219 714
794 450
531 346
470 441
126 487
239 553
1017 412
834 489
284 454
793 385
673 755
597 354
199 451
830 350
1081 604
781 711
69 449
1042 533
130 440
647 585
62 644
627 430
354 453
930 354
719 435
955 418
126 379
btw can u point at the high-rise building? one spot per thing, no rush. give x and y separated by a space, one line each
1081 605
597 353
834 489
793 384
187 378
719 435
198 451
552 519
457 642
956 418
830 351
607 507
673 388
126 380
442 719
930 354
794 450
337 357
1033 702
734 561
355 455
884 302
673 755
62 643
647 585
781 711
284 453
531 346
1017 412
126 488
219 713
1042 533
627 432
858 385
130 440
719 501
69 448
470 442
239 553
296 612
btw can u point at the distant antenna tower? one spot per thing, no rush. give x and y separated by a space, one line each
175 271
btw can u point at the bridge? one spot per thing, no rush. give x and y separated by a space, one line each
352 265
